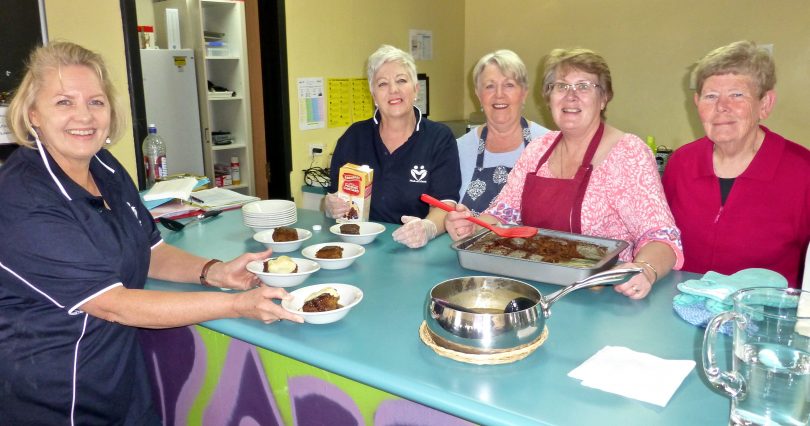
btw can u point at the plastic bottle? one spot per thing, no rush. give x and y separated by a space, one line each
236 173
148 37
651 143
154 157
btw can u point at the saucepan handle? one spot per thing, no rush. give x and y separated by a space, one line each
609 277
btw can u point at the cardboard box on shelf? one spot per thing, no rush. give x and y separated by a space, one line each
354 186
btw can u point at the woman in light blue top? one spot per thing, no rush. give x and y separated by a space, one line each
488 152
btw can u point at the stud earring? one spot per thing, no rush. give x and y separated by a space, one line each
107 141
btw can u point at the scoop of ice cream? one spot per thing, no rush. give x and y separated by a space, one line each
326 290
280 265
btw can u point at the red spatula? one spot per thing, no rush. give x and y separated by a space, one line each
513 232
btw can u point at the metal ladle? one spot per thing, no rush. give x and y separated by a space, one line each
174 225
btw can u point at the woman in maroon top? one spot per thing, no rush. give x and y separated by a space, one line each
741 194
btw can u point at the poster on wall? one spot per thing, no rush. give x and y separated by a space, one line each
421 44
311 113
5 132
339 101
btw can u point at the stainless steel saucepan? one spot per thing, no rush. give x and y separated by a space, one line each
466 314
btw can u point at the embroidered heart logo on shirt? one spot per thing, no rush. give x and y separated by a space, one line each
418 173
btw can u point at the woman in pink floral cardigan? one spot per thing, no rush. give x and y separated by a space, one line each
588 177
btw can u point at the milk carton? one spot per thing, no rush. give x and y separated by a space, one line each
354 186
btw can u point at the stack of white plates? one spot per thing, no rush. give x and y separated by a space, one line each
268 214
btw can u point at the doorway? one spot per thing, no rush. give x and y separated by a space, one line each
272 175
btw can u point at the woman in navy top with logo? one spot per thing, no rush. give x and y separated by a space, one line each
410 155
76 247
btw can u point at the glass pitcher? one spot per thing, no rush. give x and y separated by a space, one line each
769 382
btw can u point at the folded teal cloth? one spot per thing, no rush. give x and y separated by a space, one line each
700 300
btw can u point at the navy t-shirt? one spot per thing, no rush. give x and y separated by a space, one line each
426 163
60 247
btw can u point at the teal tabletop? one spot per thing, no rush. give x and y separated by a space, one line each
378 342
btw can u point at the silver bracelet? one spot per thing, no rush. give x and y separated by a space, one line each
652 268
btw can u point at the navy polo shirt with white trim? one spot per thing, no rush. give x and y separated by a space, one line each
60 247
426 163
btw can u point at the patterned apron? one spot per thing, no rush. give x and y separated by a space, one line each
553 203
487 182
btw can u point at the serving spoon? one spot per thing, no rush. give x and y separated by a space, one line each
178 226
512 232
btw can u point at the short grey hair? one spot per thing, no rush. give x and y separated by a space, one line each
387 53
508 62
741 58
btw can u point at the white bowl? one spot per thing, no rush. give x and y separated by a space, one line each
268 207
368 232
306 268
350 296
350 253
266 237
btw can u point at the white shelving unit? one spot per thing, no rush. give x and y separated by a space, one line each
225 67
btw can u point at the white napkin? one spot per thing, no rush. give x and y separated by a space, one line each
633 374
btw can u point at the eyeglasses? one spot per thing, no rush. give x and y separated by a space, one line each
581 87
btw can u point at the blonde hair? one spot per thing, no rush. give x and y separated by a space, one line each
741 58
387 53
563 61
508 62
54 56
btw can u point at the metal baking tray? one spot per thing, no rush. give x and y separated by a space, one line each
534 270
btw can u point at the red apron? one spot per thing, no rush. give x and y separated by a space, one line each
553 203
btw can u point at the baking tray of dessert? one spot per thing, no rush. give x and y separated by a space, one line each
552 257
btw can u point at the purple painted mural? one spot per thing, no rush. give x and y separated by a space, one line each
177 361
320 403
401 412
242 395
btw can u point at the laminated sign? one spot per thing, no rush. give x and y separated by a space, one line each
354 186
5 133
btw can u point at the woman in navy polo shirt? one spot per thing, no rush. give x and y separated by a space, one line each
410 155
76 247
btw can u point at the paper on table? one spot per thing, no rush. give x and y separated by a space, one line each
173 209
174 188
632 374
220 198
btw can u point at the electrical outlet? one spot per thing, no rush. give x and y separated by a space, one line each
316 149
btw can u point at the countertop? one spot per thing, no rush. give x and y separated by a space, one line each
378 342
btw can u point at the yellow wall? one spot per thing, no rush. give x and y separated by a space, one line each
332 39
96 25
650 46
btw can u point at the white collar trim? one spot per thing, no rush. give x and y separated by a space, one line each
53 176
418 119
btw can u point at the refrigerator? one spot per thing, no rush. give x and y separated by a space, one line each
170 95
